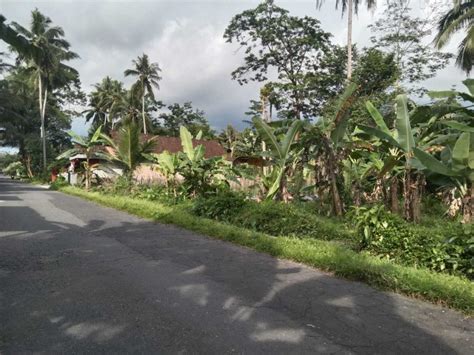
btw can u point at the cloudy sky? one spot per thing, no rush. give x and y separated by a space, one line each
185 38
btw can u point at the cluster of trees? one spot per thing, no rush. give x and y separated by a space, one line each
38 89
362 140
111 105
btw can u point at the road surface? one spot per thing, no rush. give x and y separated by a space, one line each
79 278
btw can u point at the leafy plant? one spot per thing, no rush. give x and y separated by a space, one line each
369 222
457 160
280 153
448 248
58 183
223 206
128 149
403 140
167 164
272 217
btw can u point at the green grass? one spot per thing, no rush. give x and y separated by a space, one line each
452 291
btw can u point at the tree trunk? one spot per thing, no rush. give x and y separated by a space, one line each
468 205
416 200
394 207
357 195
336 198
143 112
412 191
41 110
87 173
29 171
331 173
407 195
265 119
43 129
284 194
349 39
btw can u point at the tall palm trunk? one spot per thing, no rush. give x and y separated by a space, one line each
265 119
349 39
42 109
143 112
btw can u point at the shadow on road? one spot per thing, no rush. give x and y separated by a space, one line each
126 285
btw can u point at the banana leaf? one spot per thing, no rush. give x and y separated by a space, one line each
431 163
459 126
461 151
402 123
380 135
377 117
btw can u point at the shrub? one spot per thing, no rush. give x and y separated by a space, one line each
441 248
60 182
118 186
277 219
15 169
223 206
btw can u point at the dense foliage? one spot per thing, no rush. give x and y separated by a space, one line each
447 247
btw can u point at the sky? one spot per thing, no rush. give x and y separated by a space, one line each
186 39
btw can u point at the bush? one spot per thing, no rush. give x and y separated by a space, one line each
223 206
118 186
6 159
60 182
270 217
441 248
15 169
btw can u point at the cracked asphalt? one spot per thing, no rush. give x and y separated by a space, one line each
76 277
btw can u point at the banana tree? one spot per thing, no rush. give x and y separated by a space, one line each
87 147
167 164
402 138
324 146
201 175
170 164
458 165
354 172
279 154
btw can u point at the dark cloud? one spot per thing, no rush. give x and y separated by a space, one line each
184 37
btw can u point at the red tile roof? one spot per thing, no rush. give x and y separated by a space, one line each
173 145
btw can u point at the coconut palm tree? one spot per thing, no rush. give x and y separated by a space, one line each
104 102
351 6
459 17
43 48
148 78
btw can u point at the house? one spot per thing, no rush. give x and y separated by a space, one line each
144 173
173 145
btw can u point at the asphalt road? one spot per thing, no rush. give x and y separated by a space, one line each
79 278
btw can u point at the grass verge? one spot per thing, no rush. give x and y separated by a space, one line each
452 291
